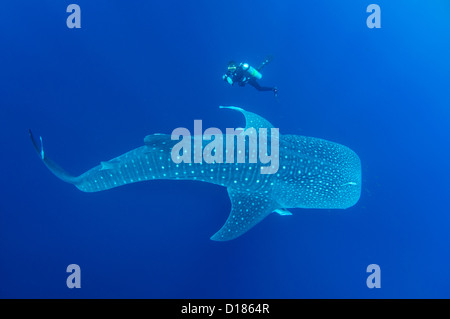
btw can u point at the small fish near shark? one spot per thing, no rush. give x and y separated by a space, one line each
312 173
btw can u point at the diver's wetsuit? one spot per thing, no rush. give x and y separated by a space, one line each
242 77
256 85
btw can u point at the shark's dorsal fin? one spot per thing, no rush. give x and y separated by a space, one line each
159 142
156 139
109 165
247 209
251 119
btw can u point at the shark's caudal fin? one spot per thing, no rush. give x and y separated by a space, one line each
53 167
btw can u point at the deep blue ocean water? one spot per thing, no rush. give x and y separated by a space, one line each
142 67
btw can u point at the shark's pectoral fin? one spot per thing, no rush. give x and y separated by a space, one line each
282 212
247 209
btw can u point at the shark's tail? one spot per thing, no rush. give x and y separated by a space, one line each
52 166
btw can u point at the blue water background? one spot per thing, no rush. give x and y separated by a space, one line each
143 67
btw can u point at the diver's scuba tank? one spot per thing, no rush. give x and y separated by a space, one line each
252 71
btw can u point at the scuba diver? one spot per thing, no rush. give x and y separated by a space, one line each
243 73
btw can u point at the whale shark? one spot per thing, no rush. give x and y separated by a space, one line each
313 173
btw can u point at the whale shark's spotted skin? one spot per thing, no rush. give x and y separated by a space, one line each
312 173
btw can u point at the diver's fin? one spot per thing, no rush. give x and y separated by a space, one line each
52 166
247 209
251 119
